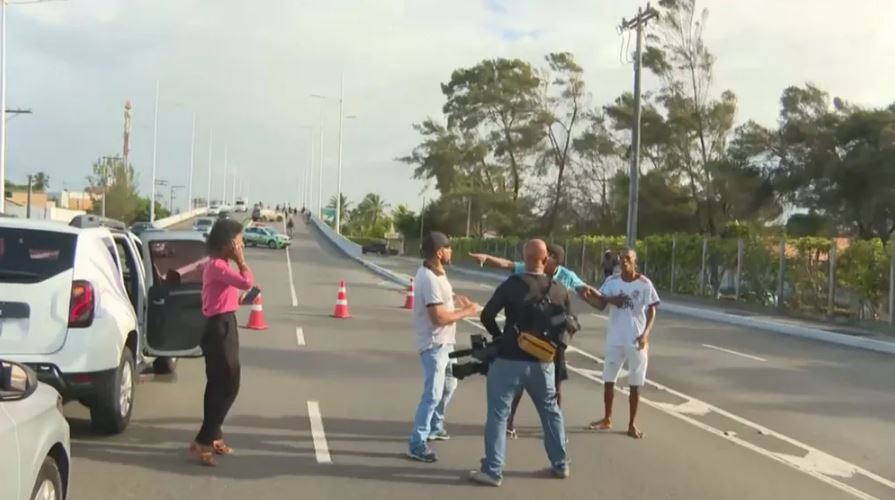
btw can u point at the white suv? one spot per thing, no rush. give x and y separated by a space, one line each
82 306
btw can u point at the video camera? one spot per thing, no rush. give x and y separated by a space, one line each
481 352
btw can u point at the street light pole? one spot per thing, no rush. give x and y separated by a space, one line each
154 155
3 105
339 181
224 193
320 204
210 150
189 200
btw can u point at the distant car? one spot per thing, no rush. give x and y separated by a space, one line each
214 209
264 236
224 214
203 226
141 227
378 248
240 206
34 437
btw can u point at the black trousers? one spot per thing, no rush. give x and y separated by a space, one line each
220 344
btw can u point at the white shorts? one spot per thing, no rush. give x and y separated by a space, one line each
617 355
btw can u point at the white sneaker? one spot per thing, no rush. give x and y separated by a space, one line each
477 476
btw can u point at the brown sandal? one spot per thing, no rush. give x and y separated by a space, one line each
205 454
221 448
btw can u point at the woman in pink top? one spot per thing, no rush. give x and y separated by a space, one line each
221 287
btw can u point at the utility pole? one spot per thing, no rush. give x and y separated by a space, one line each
171 198
154 155
638 24
28 203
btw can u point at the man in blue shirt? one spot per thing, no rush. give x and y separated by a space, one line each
564 276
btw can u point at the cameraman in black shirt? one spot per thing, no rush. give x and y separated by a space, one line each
536 311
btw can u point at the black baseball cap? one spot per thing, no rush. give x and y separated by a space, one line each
434 242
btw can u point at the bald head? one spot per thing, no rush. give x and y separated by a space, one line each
535 256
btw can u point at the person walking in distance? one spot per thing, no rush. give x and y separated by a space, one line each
220 341
436 311
531 304
631 318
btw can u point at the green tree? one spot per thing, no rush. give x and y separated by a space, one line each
698 125
346 209
837 160
121 196
563 110
499 101
406 221
40 181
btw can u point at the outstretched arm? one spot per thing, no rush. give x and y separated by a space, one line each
491 261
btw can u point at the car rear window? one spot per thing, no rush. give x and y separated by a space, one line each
32 256
177 261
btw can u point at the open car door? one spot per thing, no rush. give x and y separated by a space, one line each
174 323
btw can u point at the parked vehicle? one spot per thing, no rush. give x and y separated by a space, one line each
203 226
379 248
139 227
34 437
265 236
84 304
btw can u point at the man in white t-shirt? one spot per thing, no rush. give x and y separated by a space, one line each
633 300
436 311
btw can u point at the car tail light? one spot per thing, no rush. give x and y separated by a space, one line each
80 310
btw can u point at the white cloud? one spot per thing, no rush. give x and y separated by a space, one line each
247 69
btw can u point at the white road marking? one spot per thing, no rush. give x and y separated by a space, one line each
291 279
601 316
735 353
815 463
321 448
299 335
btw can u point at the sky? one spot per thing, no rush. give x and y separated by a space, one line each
247 70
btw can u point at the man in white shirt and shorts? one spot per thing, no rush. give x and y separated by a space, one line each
633 300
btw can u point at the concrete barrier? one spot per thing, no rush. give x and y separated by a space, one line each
174 219
347 246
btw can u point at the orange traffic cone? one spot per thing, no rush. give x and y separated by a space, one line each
342 302
408 300
256 317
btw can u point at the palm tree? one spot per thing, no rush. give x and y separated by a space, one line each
41 181
371 210
346 208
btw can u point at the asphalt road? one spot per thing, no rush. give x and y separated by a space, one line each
356 382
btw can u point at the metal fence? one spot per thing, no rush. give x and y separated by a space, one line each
810 276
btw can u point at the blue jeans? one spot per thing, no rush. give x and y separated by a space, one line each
438 387
505 378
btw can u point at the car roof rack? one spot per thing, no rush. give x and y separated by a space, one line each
87 220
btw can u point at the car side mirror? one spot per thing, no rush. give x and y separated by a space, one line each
17 381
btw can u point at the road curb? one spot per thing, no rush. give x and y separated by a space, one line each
700 313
